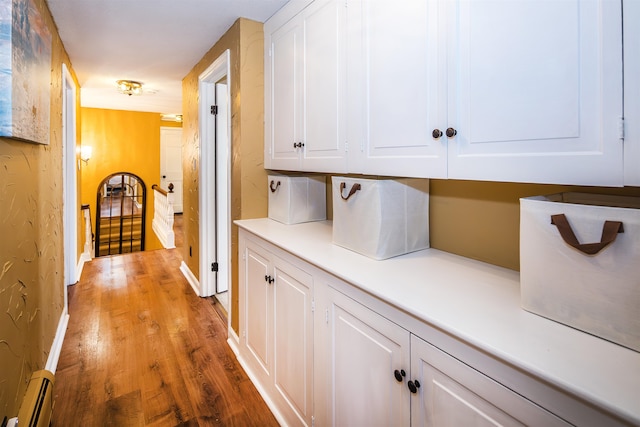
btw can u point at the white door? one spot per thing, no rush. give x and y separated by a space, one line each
535 91
222 221
171 163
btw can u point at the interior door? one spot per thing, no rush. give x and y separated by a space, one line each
221 185
171 163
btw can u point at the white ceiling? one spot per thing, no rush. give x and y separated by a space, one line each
156 42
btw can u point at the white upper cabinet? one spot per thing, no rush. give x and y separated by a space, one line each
283 98
535 91
499 90
305 90
392 89
632 92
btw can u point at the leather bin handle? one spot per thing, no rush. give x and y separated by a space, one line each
610 230
353 190
273 190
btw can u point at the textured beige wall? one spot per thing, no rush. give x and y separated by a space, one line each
31 248
248 194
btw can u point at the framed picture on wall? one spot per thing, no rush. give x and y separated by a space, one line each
25 72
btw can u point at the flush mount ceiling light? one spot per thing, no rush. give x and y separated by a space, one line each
129 87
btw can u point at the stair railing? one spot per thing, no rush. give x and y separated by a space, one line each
163 215
88 232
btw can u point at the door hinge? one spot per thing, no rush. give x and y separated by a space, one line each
214 110
214 266
621 128
346 146
313 306
326 315
313 421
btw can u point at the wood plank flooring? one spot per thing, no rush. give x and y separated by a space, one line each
142 349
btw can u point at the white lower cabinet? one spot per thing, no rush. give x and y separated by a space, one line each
276 324
324 353
363 350
446 392
380 374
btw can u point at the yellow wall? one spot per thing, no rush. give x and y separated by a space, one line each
31 247
122 141
481 220
248 200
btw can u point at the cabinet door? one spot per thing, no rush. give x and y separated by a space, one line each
293 335
535 91
632 92
305 91
393 92
453 394
364 351
283 96
324 87
257 310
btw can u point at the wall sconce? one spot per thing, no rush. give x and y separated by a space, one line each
129 87
85 153
171 118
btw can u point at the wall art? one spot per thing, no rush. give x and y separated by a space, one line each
25 72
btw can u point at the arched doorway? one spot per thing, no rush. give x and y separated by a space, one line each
120 216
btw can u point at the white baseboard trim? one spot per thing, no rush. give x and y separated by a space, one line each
166 237
84 257
56 346
234 342
191 278
265 395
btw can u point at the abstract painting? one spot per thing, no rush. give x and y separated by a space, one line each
25 72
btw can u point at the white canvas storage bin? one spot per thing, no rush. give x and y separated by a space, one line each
589 278
381 218
296 199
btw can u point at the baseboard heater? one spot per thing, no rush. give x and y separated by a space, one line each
37 404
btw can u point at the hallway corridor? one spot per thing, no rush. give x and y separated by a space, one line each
142 349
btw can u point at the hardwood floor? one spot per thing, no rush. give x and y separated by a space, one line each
142 349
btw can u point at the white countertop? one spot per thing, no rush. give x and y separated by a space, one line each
480 304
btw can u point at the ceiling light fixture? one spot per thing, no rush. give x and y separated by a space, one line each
129 87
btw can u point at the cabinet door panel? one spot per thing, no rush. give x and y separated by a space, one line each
293 330
632 92
535 91
284 126
453 394
258 303
393 89
366 349
324 87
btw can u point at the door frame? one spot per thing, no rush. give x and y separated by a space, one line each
70 177
214 165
